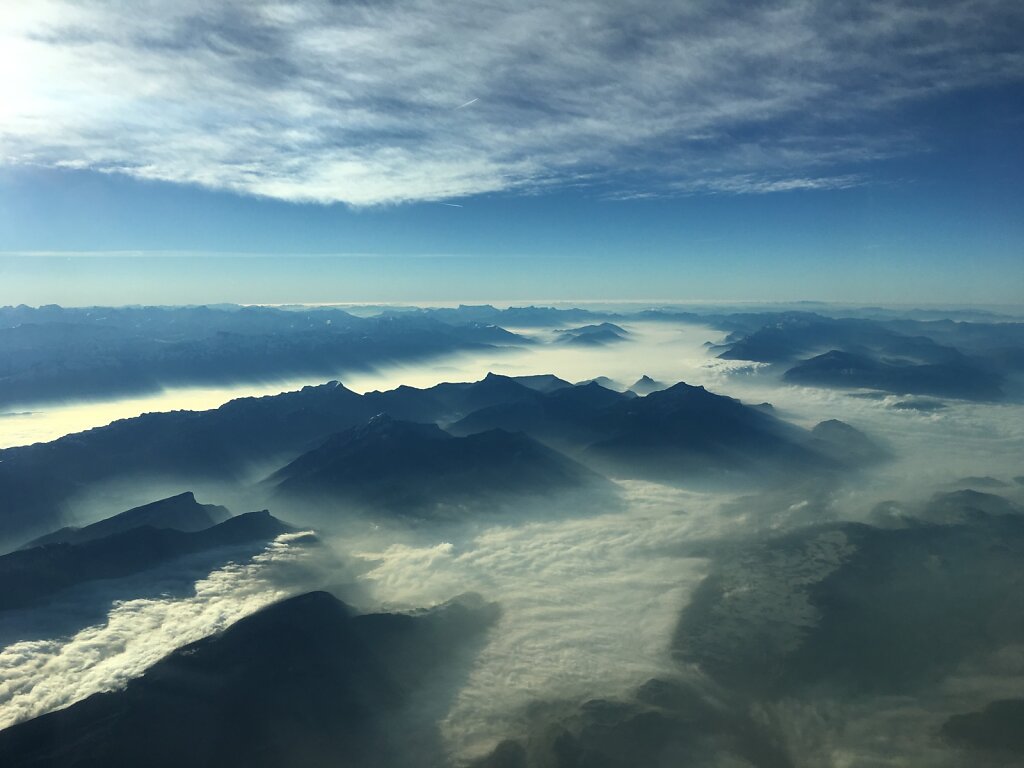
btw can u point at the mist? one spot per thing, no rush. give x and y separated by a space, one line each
593 601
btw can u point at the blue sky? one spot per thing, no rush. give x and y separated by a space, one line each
418 151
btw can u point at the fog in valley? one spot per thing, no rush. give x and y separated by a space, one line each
776 611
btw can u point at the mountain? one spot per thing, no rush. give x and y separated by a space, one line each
29 575
593 335
244 438
836 368
686 432
645 385
301 683
450 401
969 360
225 444
679 433
604 381
565 419
786 337
420 469
181 512
845 444
544 382
54 353
858 609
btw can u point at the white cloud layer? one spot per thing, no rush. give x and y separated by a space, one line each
39 676
588 604
371 103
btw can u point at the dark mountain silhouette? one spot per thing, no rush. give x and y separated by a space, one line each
845 444
962 506
645 385
593 335
966 504
851 370
679 433
971 360
564 419
447 402
247 436
181 512
420 469
37 481
685 432
31 574
786 337
301 683
544 382
607 383
224 444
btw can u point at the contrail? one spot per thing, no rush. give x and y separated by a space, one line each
471 101
453 205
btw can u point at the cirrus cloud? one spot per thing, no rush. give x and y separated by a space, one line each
371 103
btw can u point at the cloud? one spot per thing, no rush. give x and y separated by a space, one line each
363 102
39 676
588 604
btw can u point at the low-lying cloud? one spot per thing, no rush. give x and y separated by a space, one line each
41 675
588 604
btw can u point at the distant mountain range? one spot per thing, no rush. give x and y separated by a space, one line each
972 361
958 379
52 353
302 683
593 335
645 385
676 434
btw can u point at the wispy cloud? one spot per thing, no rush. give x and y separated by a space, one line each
366 103
38 676
587 605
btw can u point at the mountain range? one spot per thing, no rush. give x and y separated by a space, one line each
421 470
36 572
679 434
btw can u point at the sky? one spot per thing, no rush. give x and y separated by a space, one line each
276 152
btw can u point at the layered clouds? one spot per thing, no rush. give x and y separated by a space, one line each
370 103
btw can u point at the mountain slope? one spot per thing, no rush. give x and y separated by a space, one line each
181 512
678 433
303 682
29 575
422 470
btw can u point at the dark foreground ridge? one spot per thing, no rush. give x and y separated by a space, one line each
304 682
